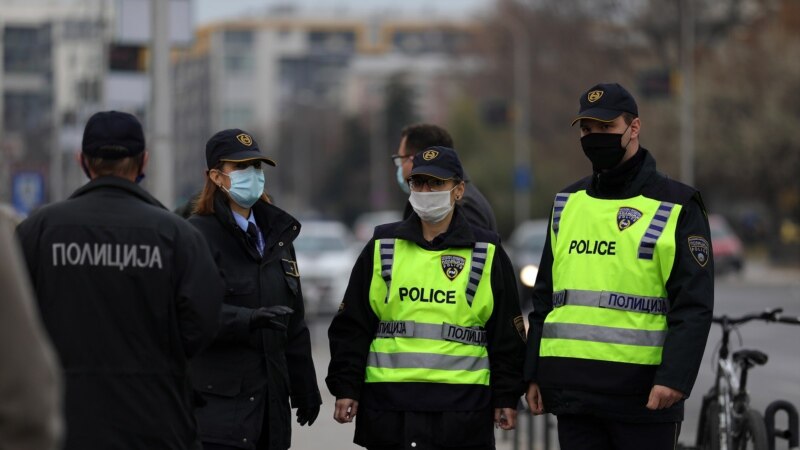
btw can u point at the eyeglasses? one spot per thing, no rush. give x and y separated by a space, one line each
434 184
400 159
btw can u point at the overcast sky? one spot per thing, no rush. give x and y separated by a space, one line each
212 10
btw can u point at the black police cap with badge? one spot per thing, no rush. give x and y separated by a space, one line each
233 145
438 162
605 102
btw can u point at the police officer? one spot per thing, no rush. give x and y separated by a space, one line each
427 348
416 138
262 356
624 296
128 292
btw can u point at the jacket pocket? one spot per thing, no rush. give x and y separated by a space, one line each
378 428
219 417
241 292
465 428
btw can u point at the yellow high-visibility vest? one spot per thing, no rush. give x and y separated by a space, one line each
611 262
433 307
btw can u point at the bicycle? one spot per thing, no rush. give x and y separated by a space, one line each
727 422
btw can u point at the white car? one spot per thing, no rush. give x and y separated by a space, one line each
326 253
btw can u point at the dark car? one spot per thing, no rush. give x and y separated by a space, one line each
727 248
525 249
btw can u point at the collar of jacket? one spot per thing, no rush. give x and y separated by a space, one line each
276 225
458 234
627 180
112 182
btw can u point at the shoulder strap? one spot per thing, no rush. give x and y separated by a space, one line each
387 259
476 269
558 207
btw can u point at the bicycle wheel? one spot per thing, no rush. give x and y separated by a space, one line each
708 432
753 432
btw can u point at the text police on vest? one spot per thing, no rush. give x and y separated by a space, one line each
433 295
588 247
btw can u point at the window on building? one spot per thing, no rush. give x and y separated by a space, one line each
26 49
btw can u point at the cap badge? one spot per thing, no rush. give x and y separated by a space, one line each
627 217
245 139
452 265
594 96
428 155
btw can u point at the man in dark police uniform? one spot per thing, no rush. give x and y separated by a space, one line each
128 292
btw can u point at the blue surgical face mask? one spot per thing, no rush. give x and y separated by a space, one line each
247 185
402 181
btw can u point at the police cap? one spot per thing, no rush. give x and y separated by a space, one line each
233 145
112 135
438 162
605 102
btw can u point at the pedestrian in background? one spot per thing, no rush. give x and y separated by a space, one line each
262 355
427 347
418 137
30 388
624 296
128 292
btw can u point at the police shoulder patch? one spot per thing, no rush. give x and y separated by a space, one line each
700 250
627 216
452 265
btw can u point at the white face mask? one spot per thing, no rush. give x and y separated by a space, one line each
431 207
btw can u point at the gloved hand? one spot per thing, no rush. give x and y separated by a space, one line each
265 317
307 414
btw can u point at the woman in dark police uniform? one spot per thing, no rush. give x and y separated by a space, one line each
261 357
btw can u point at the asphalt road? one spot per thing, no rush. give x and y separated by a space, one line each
758 288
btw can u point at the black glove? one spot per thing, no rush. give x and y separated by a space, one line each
266 317
307 414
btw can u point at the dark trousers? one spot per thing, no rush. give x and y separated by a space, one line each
583 432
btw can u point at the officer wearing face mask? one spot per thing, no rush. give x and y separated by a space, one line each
416 138
624 297
261 358
427 346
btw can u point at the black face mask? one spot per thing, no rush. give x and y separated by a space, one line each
604 150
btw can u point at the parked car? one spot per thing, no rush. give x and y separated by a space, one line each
726 246
525 250
326 252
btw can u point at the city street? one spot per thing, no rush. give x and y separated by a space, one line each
756 289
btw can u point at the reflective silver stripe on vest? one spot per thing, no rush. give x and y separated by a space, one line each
613 300
648 244
558 207
609 335
426 361
476 269
387 258
440 332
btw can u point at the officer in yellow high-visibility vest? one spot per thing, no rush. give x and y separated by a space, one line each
428 344
624 297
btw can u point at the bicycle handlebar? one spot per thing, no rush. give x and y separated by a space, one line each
768 315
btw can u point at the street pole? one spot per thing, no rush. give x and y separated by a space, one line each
163 164
5 194
56 178
377 149
522 148
687 91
